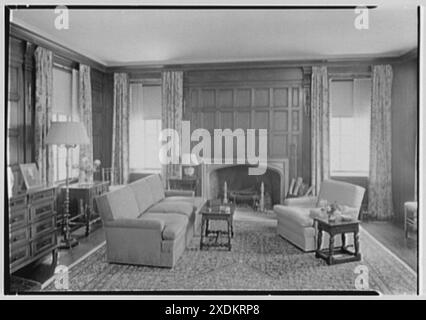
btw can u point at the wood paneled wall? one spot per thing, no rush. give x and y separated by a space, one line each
20 106
102 99
271 99
404 132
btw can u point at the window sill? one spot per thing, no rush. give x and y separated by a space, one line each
350 174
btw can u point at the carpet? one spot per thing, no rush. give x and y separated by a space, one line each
259 260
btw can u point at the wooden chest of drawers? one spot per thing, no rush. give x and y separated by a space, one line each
32 227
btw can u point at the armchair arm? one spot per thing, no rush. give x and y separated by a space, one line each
305 202
179 193
135 224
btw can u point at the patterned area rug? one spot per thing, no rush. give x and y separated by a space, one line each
259 260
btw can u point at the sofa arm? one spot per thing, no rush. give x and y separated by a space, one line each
179 193
305 202
135 224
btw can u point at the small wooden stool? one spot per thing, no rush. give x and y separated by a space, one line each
410 216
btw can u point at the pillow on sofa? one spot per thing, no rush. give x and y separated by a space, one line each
123 204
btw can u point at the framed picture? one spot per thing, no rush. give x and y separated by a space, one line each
188 172
32 178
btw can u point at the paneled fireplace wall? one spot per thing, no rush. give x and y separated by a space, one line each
273 99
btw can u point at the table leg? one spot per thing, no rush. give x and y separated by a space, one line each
330 249
88 211
343 241
319 241
356 241
229 235
202 233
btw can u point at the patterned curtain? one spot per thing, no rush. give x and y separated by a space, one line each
320 127
43 112
172 102
85 115
120 130
380 180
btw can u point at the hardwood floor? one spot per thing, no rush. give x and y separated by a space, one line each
392 236
41 271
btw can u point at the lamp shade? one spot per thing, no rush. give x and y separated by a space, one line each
67 133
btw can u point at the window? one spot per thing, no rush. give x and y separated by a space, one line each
64 108
145 127
350 102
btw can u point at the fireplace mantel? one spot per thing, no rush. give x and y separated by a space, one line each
280 165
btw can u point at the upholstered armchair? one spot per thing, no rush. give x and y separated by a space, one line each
296 216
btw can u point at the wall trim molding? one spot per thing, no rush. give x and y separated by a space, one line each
237 65
59 50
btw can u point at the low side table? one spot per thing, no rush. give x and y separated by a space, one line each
334 228
209 213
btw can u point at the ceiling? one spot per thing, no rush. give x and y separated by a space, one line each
133 37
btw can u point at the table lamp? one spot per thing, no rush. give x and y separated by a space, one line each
68 134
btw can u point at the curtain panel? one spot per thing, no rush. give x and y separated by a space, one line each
172 106
380 181
120 130
85 115
320 127
43 112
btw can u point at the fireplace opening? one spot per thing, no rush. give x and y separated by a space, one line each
245 188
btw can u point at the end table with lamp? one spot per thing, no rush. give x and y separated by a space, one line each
70 135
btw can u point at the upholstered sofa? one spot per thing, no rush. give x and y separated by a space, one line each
296 216
146 225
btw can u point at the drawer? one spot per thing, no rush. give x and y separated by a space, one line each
43 243
19 255
19 237
42 210
17 202
42 196
43 226
18 218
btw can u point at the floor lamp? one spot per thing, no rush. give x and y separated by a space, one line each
68 134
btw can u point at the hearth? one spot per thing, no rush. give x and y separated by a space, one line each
243 187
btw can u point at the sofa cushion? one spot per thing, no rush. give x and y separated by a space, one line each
142 191
156 187
180 207
122 203
301 216
174 224
197 202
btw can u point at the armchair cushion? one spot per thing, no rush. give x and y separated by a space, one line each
342 193
301 216
305 202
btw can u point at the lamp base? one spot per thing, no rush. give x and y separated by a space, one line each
68 243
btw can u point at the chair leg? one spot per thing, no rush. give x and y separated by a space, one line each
405 223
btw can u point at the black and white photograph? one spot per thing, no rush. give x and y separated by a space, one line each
188 150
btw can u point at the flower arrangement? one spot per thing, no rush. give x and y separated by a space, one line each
333 210
87 169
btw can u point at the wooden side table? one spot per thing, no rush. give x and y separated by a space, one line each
82 203
338 227
208 214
